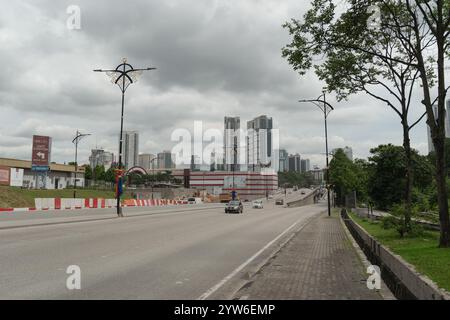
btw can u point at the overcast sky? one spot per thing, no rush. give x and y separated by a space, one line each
215 58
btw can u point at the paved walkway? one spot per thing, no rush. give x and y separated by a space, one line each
318 263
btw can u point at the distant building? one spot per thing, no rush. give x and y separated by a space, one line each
318 174
294 162
231 143
284 163
100 157
447 125
146 161
195 163
166 160
18 173
250 185
259 144
304 165
130 149
347 151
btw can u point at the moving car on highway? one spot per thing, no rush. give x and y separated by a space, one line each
279 201
234 206
257 204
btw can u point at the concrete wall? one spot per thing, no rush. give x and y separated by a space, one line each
307 200
400 277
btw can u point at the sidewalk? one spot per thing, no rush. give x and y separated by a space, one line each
318 263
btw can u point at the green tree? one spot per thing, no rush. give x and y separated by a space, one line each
345 176
410 40
388 171
295 178
110 175
99 173
87 172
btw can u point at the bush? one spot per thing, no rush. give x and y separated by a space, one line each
397 221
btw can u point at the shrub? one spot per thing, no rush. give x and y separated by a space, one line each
397 221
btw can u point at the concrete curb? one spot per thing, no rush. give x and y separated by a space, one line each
400 276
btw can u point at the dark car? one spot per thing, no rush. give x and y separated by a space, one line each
279 201
234 206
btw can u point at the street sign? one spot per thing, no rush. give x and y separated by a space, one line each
40 155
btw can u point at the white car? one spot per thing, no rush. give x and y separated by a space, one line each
257 204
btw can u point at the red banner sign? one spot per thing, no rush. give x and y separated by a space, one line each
41 151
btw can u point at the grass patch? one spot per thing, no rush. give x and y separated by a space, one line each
13 197
421 251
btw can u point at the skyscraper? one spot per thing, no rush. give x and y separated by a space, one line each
294 162
100 157
166 160
130 149
146 161
284 164
348 151
447 125
231 140
304 165
259 143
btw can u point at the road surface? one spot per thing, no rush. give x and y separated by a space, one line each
170 255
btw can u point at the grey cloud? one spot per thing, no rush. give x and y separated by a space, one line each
214 58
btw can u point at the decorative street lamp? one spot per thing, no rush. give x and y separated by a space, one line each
123 76
326 108
234 167
77 138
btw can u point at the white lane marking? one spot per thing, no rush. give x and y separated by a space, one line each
213 289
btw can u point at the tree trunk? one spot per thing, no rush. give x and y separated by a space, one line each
409 176
441 182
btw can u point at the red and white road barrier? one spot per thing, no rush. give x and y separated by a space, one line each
16 209
72 203
151 202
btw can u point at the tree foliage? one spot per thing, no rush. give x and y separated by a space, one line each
293 178
347 176
387 170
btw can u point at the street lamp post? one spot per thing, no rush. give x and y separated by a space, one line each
123 76
234 167
153 172
326 108
78 137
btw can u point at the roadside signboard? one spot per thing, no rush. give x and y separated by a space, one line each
239 181
40 156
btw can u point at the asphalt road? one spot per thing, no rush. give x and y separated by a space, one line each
171 255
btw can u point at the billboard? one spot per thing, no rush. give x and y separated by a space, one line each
40 155
16 177
239 181
4 176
